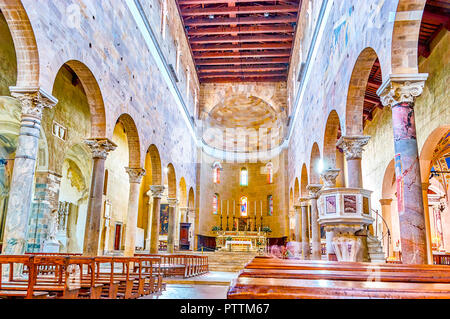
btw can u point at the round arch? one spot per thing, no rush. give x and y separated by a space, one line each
133 140
356 92
304 181
314 175
171 181
405 36
24 42
332 129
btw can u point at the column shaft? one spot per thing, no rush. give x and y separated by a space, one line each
298 224
315 229
171 230
305 232
21 190
156 193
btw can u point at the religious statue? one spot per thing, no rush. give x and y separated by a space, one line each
52 226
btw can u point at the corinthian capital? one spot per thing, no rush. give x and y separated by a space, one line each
135 174
100 147
353 145
156 191
402 88
33 100
314 190
172 202
329 177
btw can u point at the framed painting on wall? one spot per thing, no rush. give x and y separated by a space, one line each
164 219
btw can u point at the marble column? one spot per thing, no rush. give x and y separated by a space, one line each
353 148
156 193
135 175
386 213
172 225
298 223
33 102
427 222
305 228
329 177
100 148
399 92
315 227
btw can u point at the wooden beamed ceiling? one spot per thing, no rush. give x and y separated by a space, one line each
240 40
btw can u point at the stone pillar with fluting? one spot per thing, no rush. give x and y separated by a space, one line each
399 92
329 177
315 227
156 193
172 225
33 102
298 223
135 175
353 148
306 252
100 148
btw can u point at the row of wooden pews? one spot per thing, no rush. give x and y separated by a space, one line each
181 265
76 277
266 277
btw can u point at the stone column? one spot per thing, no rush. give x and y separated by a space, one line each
305 228
149 220
100 148
136 175
156 193
399 92
298 223
172 225
315 227
386 213
33 101
353 148
329 177
427 222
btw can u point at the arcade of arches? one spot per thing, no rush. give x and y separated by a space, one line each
167 128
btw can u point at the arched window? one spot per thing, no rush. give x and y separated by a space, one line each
244 206
215 204
269 169
244 177
216 172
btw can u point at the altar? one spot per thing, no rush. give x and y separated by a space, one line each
251 241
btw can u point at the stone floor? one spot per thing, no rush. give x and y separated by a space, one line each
179 291
213 285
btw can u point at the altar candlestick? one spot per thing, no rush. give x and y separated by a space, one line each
221 206
227 207
261 208
234 208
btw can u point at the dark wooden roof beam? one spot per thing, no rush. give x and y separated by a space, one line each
242 47
249 68
242 54
236 74
241 30
240 21
238 10
240 61
241 39
206 2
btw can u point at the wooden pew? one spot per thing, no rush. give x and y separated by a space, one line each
278 288
11 290
275 278
60 284
151 270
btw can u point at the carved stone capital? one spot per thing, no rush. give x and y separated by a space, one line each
314 190
33 100
100 147
156 191
329 177
135 174
402 88
353 145
172 202
303 201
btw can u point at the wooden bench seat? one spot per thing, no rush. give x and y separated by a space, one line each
357 275
22 294
278 288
